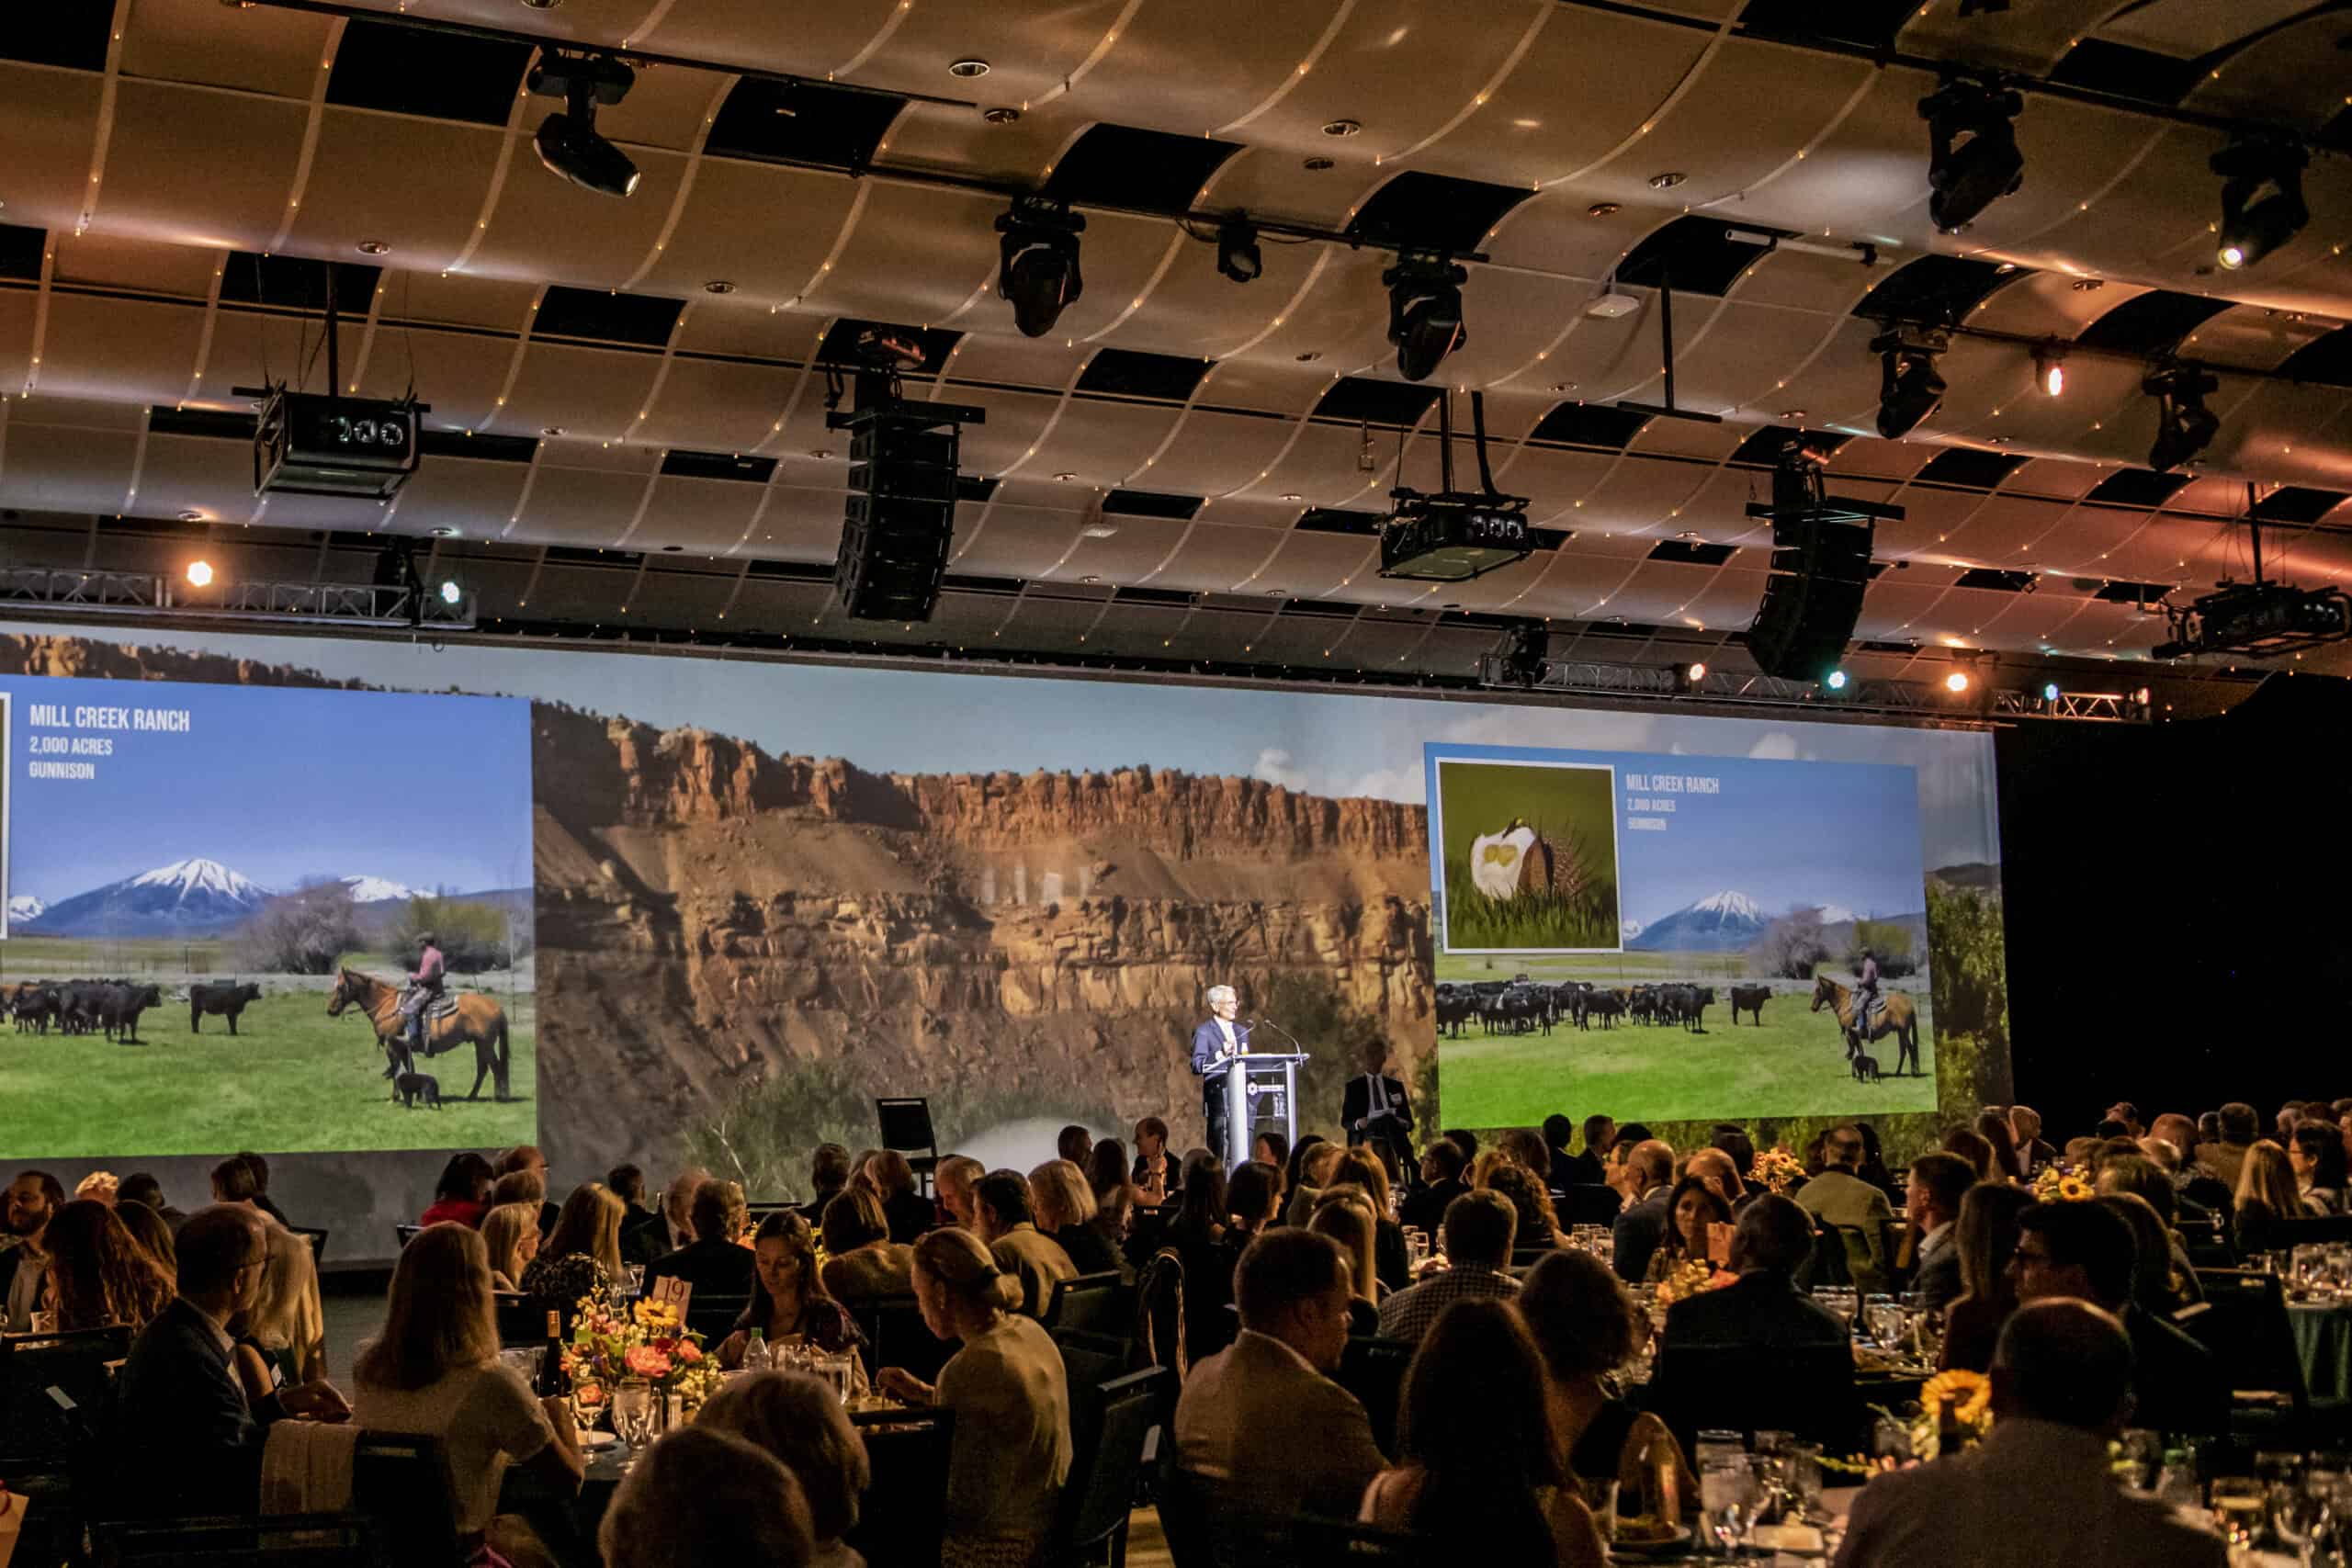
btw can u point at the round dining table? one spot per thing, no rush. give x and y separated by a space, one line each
2323 1333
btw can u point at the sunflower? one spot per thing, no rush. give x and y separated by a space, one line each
2072 1188
1971 1395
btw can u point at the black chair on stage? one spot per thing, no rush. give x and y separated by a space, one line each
906 1127
902 1518
897 1336
1111 1430
1093 1304
1587 1204
401 1482
286 1540
1373 1370
1804 1389
2243 1321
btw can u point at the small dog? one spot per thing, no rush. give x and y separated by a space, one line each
1865 1067
410 1088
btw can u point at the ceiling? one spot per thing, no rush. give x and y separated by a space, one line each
1178 446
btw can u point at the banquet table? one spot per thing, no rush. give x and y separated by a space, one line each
2324 1344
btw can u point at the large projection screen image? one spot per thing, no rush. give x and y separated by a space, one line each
216 895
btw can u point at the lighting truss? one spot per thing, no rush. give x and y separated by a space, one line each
145 595
1905 699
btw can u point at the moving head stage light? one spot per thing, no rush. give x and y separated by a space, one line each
1454 535
1973 157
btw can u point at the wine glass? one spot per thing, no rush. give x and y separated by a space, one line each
1882 1321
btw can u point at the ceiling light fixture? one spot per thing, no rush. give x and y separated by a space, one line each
443 531
1956 682
1793 413
1835 680
1310 357
1973 157
1037 262
1424 311
200 573
2185 426
2049 369
1004 114
567 141
718 286
1909 385
1341 127
550 430
450 592
1319 166
968 67
1239 256
1669 180
1065 478
542 5
1602 210
2262 200
374 248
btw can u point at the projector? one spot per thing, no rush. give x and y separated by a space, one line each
1454 537
2259 619
318 444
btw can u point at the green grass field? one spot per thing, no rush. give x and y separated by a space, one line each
292 1080
1573 808
1792 1065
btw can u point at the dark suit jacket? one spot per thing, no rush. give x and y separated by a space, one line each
1357 1102
1208 1040
645 1236
1582 1171
814 1211
182 1422
1761 1312
1425 1206
1937 1277
2175 1383
712 1268
1636 1234
910 1214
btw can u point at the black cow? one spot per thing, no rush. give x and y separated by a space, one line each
1749 998
1454 1009
34 1006
223 1002
79 1004
1609 1006
120 1007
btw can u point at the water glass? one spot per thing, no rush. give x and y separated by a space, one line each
1727 1495
1839 1299
1417 1248
835 1371
1882 1322
633 1413
633 1277
2241 1506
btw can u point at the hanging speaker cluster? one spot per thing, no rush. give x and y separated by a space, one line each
1821 567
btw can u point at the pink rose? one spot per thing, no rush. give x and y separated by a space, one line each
647 1362
688 1353
589 1394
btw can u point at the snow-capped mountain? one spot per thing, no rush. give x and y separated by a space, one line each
381 890
183 898
24 908
1835 914
1721 922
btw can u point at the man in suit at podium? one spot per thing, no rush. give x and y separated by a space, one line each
1374 1109
1216 1041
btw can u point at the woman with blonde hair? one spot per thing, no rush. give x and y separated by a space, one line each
153 1231
1011 1447
1063 1201
582 1254
1360 1166
2267 1196
861 1261
909 1214
280 1339
511 1230
1344 1214
801 1421
99 1276
434 1372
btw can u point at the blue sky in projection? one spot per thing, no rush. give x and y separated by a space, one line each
282 784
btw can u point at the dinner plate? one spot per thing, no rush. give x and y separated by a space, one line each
1661 1546
597 1440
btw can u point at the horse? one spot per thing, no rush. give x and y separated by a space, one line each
477 1021
1895 1016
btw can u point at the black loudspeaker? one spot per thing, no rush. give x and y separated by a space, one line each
1821 566
898 520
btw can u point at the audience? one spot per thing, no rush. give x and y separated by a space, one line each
643 1236
1314 1174
662 1515
1720 1169
790 1303
1643 1179
151 1232
1108 1177
906 1212
510 1232
2001 1139
1261 1430
1984 1237
1855 1209
2316 1157
1478 1231
800 1422
1585 1169
1074 1144
1011 1446
34 1199
233 1182
678 1204
714 1259
525 1159
1294 1177
1441 1167
953 1178
581 1257
1251 1199
1005 1224
281 1333
1694 1213
2267 1197
1762 1309
2236 1128
2040 1487
1063 1206
1344 1214
1477 1457
2024 1136
1559 1170
98 1275
1153 1177
142 1189
1197 1236
100 1187
1539 1227
1938 1184
1525 1147
2167 1263
1362 1166
261 1200
1586 1327
2155 1288
1972 1148
862 1261
462 1195
828 1174
523 1187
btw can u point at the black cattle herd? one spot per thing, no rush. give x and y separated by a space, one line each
1529 1007
112 1006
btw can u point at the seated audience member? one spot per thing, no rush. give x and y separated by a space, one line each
678 1204
526 1159
1585 1169
1721 1169
1466 1140
262 1201
1586 1325
828 1174
2170 1268
1763 1309
462 1195
716 1262
1694 1211
1313 1176
1251 1199
1967 1145
1441 1167
908 1212
232 1183
1197 1234
1011 1448
1362 1166
1345 1215
1938 1184
1873 1167
281 1333
2266 1198
1295 1174
1261 1425
861 1261
1062 1205
1478 1230
1107 1176
661 1513
1857 1209
643 1236
1994 1127
1525 1147
2087 1251
99 1187
2078 1151
1985 1238
954 1179
2040 1487
523 1187
1008 1227
2236 1128
2024 1136
1477 1456
182 1422
1074 1144
800 1422
34 1199
2317 1158
2154 1288
584 1255
1731 1139
98 1274
148 1228
1539 1227
1272 1150
1644 1178
139 1187
1154 1177
790 1303
1559 1169
510 1232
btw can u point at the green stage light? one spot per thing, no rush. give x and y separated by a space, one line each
1835 680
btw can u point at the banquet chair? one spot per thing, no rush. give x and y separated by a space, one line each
1587 1204
902 1518
53 1387
1373 1370
401 1481
293 1540
2243 1321
713 1317
1090 1360
1096 1303
1110 1428
1804 1389
905 1126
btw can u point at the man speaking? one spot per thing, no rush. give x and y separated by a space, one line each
1215 1041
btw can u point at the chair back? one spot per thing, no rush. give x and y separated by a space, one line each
522 1320
902 1518
1095 1303
1373 1370
315 1236
713 1317
893 1326
405 1233
1111 1424
1587 1204
1804 1389
1089 1361
36 1428
2243 1321
401 1481
292 1541
1204 1530
1160 1311
1841 1255
905 1124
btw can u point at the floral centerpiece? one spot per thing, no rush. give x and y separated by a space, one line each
1778 1170
2060 1183
1970 1397
648 1340
1690 1278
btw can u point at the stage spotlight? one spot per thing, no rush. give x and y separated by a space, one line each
2050 691
1956 682
2185 426
1687 676
2262 200
1037 262
1835 680
1424 311
450 592
568 140
2050 370
1909 387
200 573
1238 255
1973 157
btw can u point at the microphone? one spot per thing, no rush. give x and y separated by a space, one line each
1278 1029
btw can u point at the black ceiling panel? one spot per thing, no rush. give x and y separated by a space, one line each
211 422
1934 289
442 76
1124 166
681 463
842 338
20 250
2297 503
295 283
71 33
1591 425
2119 68
1171 598
1339 519
1360 397
581 555
974 486
1968 466
1623 628
1871 23
2336 134
1995 580
1549 539
2117 591
2137 487
1152 503
482 447
1130 373
1884 645
1692 552
2326 360
599 315
808 123
962 582
1435 211
792 570
1693 255
1764 447
2151 323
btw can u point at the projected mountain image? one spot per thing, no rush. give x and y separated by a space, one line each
1721 922
186 898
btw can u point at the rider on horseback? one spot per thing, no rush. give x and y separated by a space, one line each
424 989
1867 999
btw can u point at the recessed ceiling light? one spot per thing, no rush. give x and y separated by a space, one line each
1341 127
443 532
968 67
2085 285
1602 210
1310 356
1274 593
2005 268
1293 495
1065 478
550 430
542 5
374 248
1090 577
191 515
1099 531
718 286
1003 115
1793 413
821 452
1564 386
1669 180
1317 165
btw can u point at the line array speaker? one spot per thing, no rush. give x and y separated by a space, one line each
1821 567
898 519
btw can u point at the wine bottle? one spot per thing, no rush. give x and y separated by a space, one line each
551 1382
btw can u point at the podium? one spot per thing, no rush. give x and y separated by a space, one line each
1260 1096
